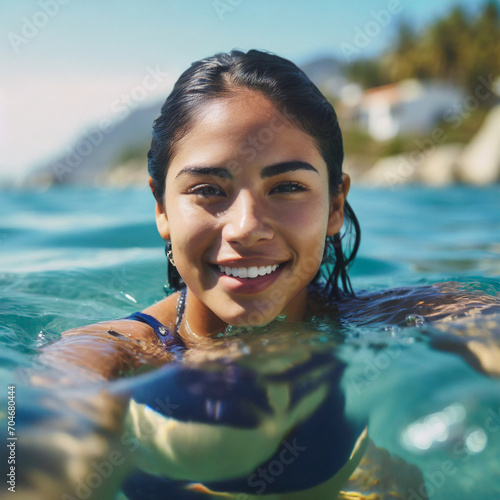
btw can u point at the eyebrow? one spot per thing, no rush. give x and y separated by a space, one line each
217 171
270 171
282 168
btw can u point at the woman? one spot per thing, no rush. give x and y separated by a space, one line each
246 170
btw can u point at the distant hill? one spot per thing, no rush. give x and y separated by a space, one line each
327 73
98 150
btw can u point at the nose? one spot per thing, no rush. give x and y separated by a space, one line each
246 221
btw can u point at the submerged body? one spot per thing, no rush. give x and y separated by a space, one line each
219 416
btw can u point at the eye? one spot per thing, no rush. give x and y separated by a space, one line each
288 187
206 190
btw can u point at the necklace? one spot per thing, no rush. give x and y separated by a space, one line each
181 306
230 330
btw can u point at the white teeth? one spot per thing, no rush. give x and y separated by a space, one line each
248 272
253 272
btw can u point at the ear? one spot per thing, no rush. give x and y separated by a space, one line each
336 216
161 215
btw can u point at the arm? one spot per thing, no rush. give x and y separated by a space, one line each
81 422
434 303
102 351
456 317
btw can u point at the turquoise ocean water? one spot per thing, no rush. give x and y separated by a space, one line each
70 257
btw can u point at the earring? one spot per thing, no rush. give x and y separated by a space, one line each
168 253
174 281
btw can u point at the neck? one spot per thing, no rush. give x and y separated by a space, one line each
199 323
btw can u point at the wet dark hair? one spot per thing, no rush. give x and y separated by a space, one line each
293 94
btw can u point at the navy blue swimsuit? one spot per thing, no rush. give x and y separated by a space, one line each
172 341
320 445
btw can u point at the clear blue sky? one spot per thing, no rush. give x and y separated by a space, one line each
65 63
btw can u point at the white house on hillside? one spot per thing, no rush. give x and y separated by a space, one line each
409 106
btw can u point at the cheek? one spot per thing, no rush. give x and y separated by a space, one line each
191 240
192 237
311 257
187 222
308 220
310 231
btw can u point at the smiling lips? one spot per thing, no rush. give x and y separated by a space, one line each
249 280
248 272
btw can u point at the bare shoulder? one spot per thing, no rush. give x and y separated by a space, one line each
118 329
112 348
127 329
165 311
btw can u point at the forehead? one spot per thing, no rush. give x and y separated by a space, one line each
243 109
245 125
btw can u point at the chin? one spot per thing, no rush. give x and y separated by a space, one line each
250 319
251 312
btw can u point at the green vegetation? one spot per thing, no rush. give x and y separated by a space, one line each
457 48
364 150
128 154
361 147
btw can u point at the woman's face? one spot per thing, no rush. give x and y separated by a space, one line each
247 209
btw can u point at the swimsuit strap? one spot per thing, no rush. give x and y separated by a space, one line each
160 329
171 340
